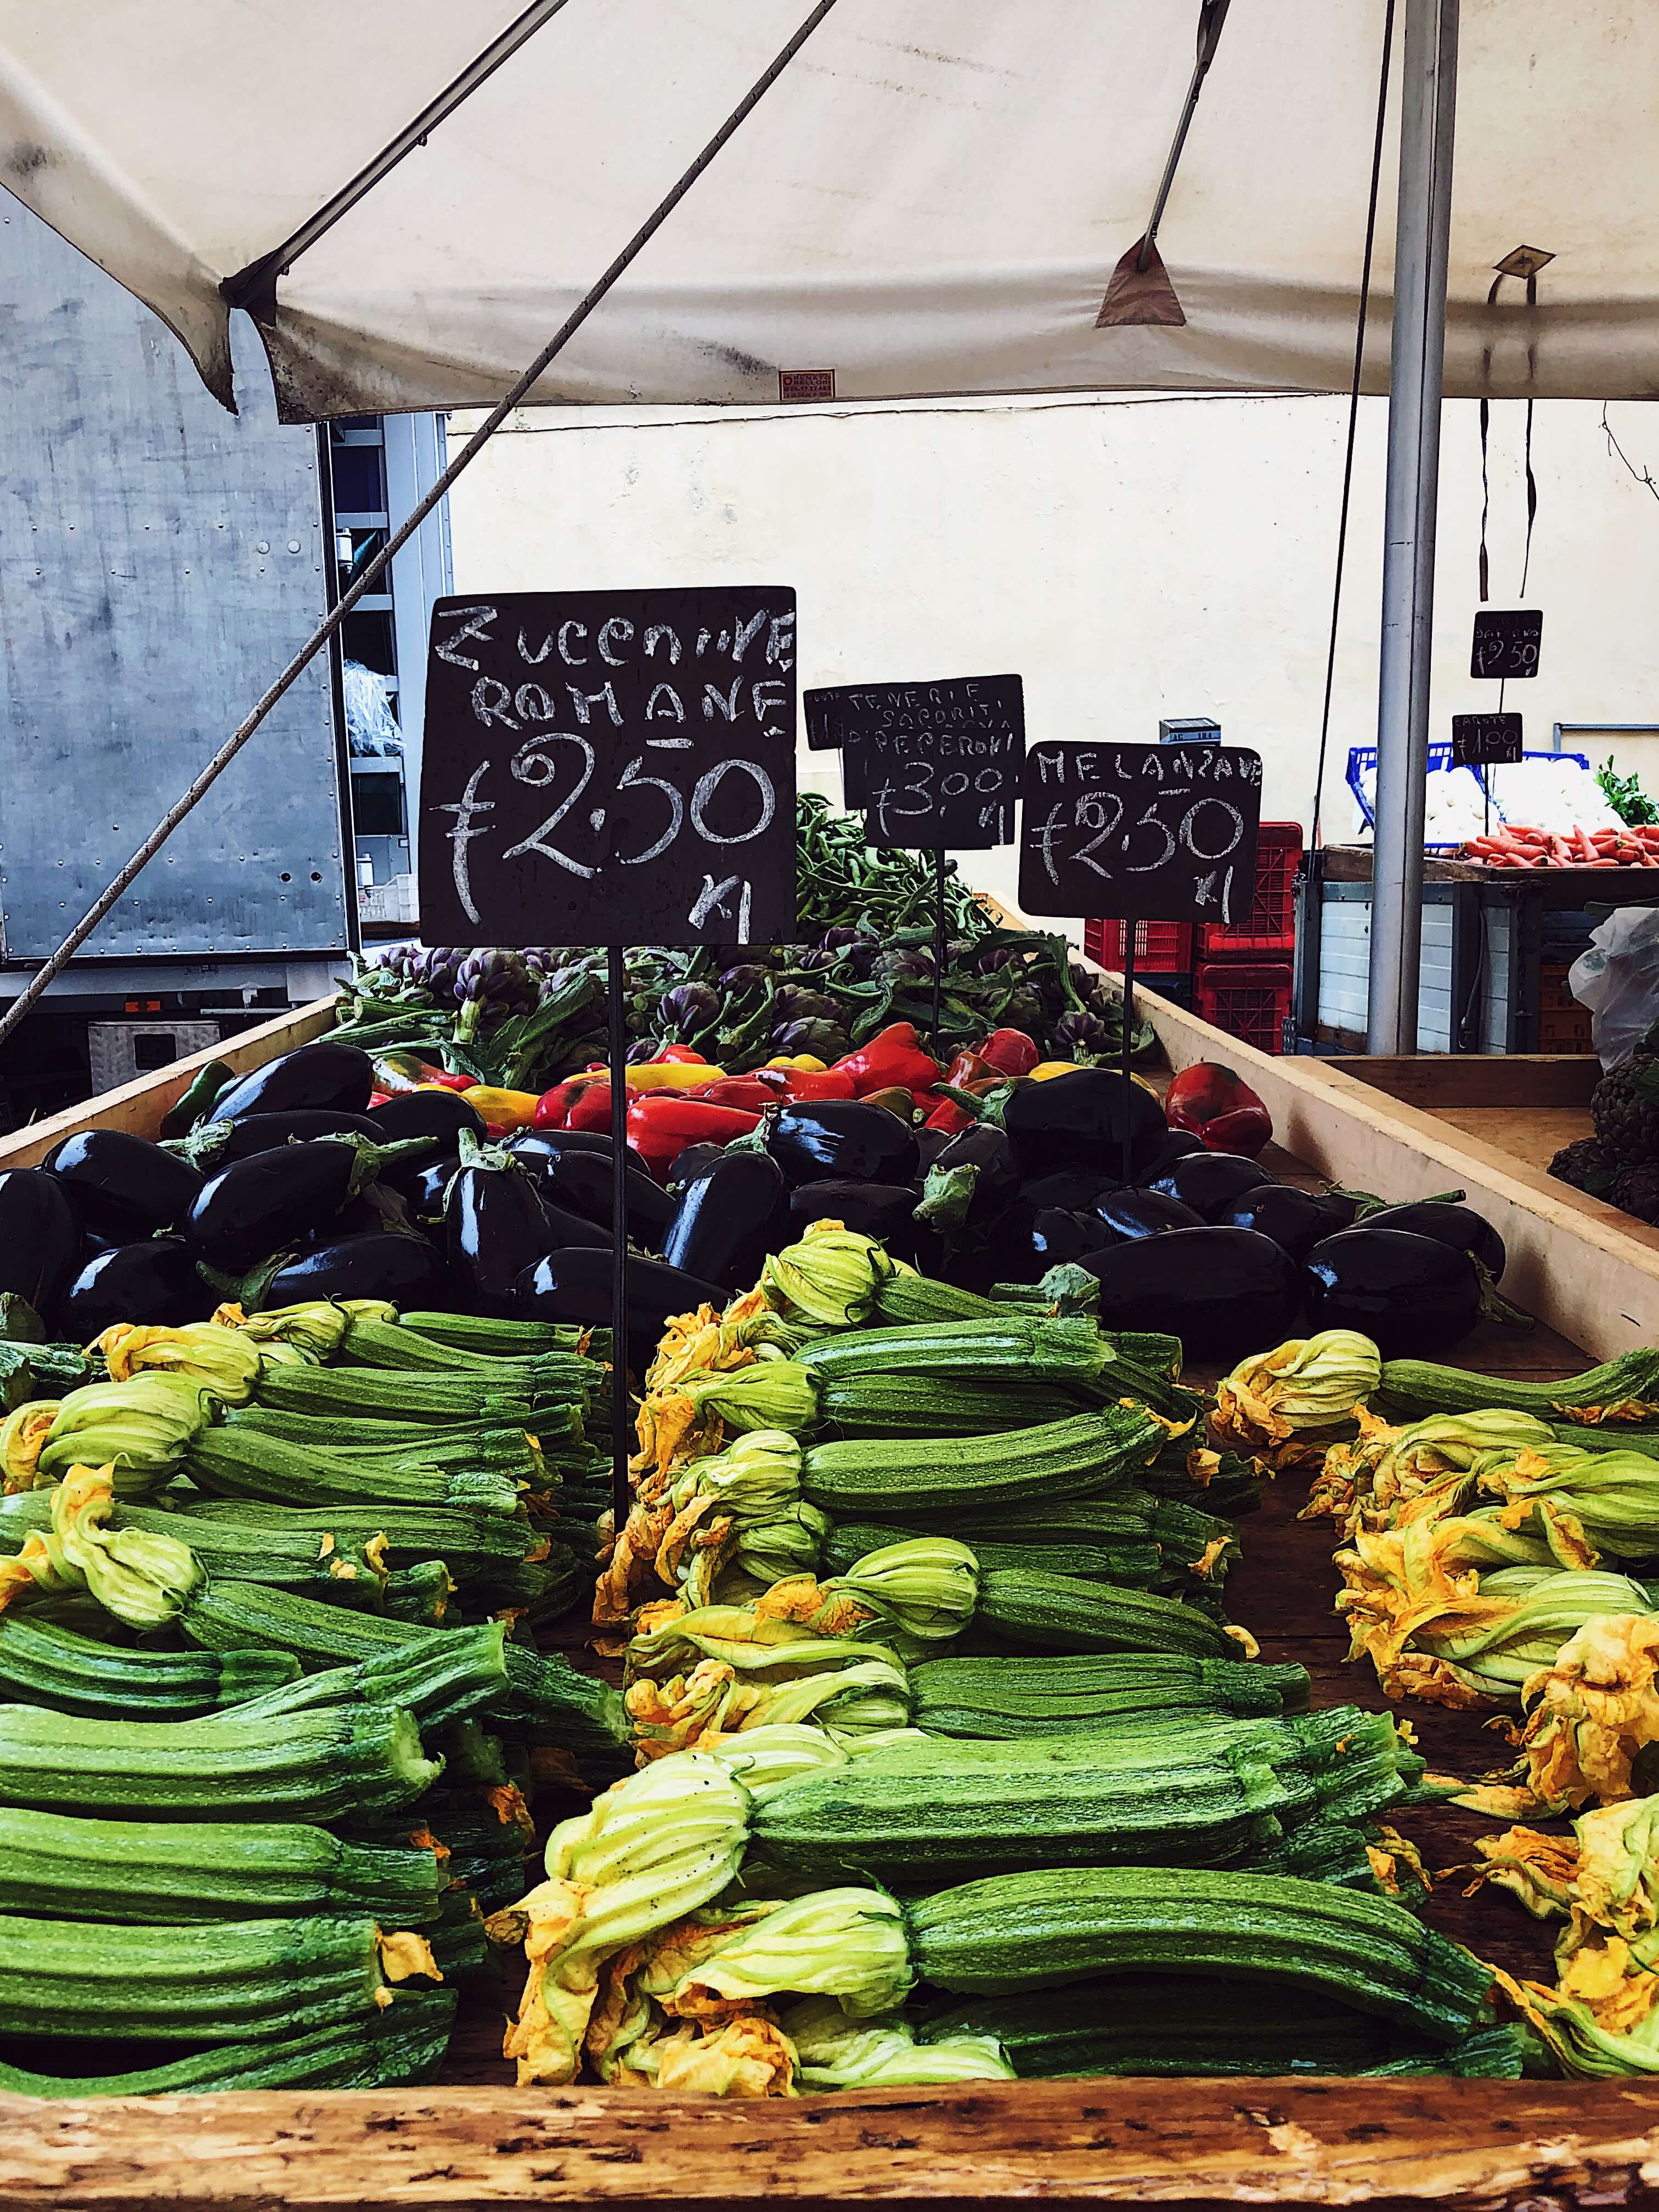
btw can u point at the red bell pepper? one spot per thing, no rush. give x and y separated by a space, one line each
1212 1104
897 1099
969 1067
1011 1052
590 1108
742 1090
662 1123
950 1117
553 1107
798 1083
892 1060
687 1054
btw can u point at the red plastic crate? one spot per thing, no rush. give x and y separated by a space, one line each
1269 932
1162 948
1248 1002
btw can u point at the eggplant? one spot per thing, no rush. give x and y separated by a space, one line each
884 1211
1210 1181
494 1227
381 1264
155 1283
1178 1145
538 1146
1295 1219
584 1183
1414 1296
434 1113
846 1139
930 1143
120 1185
39 1239
730 1216
320 1074
575 1285
689 1164
1343 1206
423 1185
1448 1223
1077 1190
1078 1121
260 1206
265 1133
1223 1291
1129 1214
1028 1241
989 1153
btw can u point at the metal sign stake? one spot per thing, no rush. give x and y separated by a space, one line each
1128 1034
939 942
621 1426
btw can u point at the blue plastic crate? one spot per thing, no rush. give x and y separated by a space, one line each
1361 758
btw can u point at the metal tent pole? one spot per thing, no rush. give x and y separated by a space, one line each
1427 109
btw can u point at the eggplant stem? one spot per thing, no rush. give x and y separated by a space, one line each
1494 1306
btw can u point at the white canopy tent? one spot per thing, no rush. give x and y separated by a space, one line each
934 196
931 200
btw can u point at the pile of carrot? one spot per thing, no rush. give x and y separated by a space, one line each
1511 847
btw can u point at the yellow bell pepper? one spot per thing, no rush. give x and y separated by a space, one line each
808 1063
1046 1069
502 1109
658 1075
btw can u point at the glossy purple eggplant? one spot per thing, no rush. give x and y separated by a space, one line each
496 1226
39 1238
881 1210
575 1284
582 1183
1415 1298
1223 1291
380 1265
120 1185
265 1133
1029 1240
1296 1219
1210 1183
730 1217
1076 1189
262 1205
155 1283
846 1139
1127 1215
1077 1120
433 1112
319 1074
1448 1223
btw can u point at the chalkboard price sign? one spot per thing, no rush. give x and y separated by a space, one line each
1145 833
1506 642
1484 740
934 764
610 767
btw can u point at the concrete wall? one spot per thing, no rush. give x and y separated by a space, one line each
1131 558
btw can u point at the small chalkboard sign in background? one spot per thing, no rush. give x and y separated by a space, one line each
935 764
1483 740
602 765
1506 642
611 768
1140 833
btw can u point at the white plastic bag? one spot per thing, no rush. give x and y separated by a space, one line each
1618 978
372 732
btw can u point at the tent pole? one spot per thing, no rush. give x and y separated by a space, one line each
1417 365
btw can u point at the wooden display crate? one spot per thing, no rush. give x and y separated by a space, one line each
476 2142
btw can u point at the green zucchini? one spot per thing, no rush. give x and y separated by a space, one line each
370 1343
1014 1347
446 1678
1024 1931
1412 1389
1007 1698
468 1446
316 1765
1089 1452
404 2044
927 1809
284 1558
1204 2025
1056 1612
546 1699
377 1393
228 1981
43 1663
500 1338
1136 1565
241 1462
891 1406
174 1872
476 1547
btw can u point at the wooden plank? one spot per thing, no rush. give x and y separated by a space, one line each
138 1107
1532 1134
986 2144
1436 1080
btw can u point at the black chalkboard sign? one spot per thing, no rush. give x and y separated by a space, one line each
1506 642
934 763
610 767
1146 833
1483 740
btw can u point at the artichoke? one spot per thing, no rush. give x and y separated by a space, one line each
1636 1191
1587 1165
1625 1106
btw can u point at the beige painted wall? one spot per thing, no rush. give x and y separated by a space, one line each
1130 557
